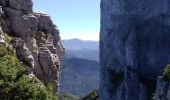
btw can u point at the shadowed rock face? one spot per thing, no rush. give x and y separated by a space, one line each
134 46
38 42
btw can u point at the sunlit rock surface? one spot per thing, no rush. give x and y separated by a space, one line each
38 42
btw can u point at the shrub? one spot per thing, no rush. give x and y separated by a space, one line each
15 84
9 39
166 73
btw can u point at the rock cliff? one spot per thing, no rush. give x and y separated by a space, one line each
134 48
37 41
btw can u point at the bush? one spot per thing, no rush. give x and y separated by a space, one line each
9 39
166 73
15 84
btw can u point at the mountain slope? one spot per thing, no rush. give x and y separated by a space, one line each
76 48
77 44
80 74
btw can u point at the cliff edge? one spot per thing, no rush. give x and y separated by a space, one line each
34 37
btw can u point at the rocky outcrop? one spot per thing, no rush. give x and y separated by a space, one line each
2 41
37 42
23 53
134 47
162 90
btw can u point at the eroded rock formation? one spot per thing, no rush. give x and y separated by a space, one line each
134 47
37 40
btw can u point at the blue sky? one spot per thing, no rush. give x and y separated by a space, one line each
75 18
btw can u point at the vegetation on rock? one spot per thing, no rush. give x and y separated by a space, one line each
15 84
9 39
166 73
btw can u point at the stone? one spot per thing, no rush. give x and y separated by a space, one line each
134 36
162 89
23 5
23 53
2 41
24 26
37 41
45 23
10 11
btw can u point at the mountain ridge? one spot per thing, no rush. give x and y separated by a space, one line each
77 48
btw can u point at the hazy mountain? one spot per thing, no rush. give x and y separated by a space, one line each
77 44
79 76
80 72
76 48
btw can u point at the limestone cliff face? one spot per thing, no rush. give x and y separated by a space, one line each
162 89
134 47
38 42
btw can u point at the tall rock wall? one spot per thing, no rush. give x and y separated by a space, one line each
134 47
37 42
163 89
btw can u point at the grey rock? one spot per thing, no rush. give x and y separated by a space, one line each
9 11
39 44
2 41
23 5
24 26
45 22
5 23
134 35
23 53
3 2
162 89
47 61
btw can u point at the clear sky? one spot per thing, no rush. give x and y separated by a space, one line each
75 18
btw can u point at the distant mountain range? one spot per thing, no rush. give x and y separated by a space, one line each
76 48
79 76
77 44
80 71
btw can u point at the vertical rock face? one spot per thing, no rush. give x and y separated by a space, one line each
162 90
134 47
38 42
